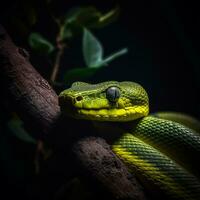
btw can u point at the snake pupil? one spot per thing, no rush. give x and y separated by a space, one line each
112 94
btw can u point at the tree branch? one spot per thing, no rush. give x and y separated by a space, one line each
37 104
31 95
99 162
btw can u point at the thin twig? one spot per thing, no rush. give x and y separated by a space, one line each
57 63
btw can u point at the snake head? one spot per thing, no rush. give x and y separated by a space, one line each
107 101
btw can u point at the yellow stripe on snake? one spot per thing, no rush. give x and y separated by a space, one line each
162 149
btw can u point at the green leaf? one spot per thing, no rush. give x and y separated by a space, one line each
88 17
84 16
107 18
79 74
40 44
114 56
76 19
92 50
68 31
16 127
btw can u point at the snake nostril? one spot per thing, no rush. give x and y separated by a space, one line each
79 98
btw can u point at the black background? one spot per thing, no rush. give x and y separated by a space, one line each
163 42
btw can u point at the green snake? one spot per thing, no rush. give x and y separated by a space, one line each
163 148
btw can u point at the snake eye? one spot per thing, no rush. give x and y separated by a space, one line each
112 94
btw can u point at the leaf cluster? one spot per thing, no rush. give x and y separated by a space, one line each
79 21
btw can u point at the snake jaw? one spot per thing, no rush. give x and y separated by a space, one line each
101 110
109 101
113 114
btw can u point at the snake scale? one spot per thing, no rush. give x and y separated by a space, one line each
162 149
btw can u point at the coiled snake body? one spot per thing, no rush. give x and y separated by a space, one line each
160 147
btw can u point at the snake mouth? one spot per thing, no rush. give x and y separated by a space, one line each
113 114
102 111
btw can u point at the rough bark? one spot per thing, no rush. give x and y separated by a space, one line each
98 160
37 104
30 94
